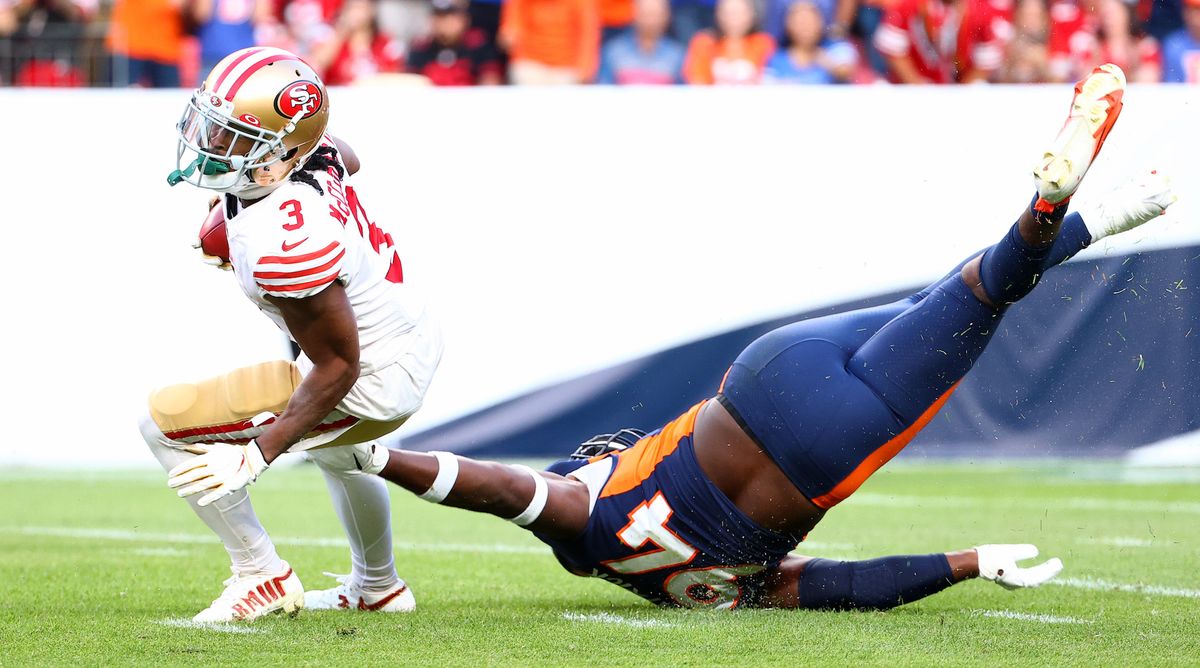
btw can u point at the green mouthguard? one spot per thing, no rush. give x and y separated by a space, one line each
208 167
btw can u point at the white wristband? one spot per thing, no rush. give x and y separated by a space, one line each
447 475
537 504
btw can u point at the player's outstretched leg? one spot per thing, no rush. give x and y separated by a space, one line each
1094 110
918 357
857 394
362 504
1139 201
1010 269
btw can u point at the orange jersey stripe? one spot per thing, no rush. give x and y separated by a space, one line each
637 463
880 457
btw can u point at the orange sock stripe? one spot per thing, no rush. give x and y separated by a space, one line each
881 456
1043 206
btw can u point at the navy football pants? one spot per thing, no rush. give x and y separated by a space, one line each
832 399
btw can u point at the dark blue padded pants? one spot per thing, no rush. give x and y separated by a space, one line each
832 399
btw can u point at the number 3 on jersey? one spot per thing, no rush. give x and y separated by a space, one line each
293 211
715 586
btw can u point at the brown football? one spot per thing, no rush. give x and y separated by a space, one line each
212 234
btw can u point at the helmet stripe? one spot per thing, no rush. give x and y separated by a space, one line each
251 70
232 66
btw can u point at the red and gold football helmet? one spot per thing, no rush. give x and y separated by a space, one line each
259 114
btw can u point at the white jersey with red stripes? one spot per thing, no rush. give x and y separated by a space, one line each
297 241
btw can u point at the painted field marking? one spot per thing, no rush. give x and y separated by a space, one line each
494 548
171 552
616 620
292 541
1072 503
181 623
204 539
1123 541
1096 584
1029 617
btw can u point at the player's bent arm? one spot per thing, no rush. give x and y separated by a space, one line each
349 157
508 492
324 327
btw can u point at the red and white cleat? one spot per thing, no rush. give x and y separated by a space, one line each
347 596
248 597
1094 111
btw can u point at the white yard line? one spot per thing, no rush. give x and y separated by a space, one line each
1096 584
493 548
806 548
1073 503
206 539
181 623
171 552
1123 541
616 620
1029 617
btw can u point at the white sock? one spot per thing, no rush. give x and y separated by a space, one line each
362 504
231 518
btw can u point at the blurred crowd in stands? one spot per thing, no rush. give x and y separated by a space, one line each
167 43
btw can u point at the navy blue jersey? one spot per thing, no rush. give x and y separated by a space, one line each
661 529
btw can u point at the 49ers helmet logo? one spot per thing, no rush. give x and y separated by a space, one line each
302 96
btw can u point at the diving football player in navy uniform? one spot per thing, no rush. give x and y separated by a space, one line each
705 511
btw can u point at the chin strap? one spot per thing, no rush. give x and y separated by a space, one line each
208 168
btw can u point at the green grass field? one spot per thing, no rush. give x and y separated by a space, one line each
106 568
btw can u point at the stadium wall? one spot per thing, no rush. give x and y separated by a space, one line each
559 232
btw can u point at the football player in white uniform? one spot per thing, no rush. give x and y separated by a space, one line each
305 252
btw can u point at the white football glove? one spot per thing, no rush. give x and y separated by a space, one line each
998 563
220 469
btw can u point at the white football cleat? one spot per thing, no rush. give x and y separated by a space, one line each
1094 111
248 597
1140 201
998 563
347 596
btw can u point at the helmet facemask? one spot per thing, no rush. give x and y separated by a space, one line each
221 153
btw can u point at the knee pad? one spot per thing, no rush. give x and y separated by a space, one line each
341 460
